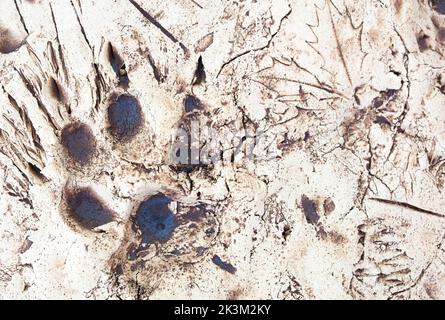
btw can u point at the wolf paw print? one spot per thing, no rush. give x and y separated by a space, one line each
164 225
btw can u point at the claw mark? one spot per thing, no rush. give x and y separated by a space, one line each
97 76
21 17
40 152
59 47
99 83
159 26
156 72
32 89
200 74
408 206
118 65
196 3
82 30
57 91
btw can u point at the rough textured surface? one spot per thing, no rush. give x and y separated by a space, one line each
346 200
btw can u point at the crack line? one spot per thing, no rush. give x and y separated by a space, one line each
257 49
167 33
408 206
339 47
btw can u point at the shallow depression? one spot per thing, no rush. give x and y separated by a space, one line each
87 208
155 219
125 117
79 141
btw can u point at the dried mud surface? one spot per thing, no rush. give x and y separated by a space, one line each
347 204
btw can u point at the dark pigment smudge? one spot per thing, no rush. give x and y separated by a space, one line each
382 120
56 90
441 34
200 74
125 117
310 210
328 206
79 142
438 6
118 65
155 219
8 42
87 208
196 213
133 252
223 265
191 103
423 42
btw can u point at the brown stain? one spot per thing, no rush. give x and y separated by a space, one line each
432 289
398 4
287 230
328 206
288 144
374 35
423 41
441 83
440 35
385 97
332 236
25 245
321 233
355 125
204 43
336 237
183 151
235 294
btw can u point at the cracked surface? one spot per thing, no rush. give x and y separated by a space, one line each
347 203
